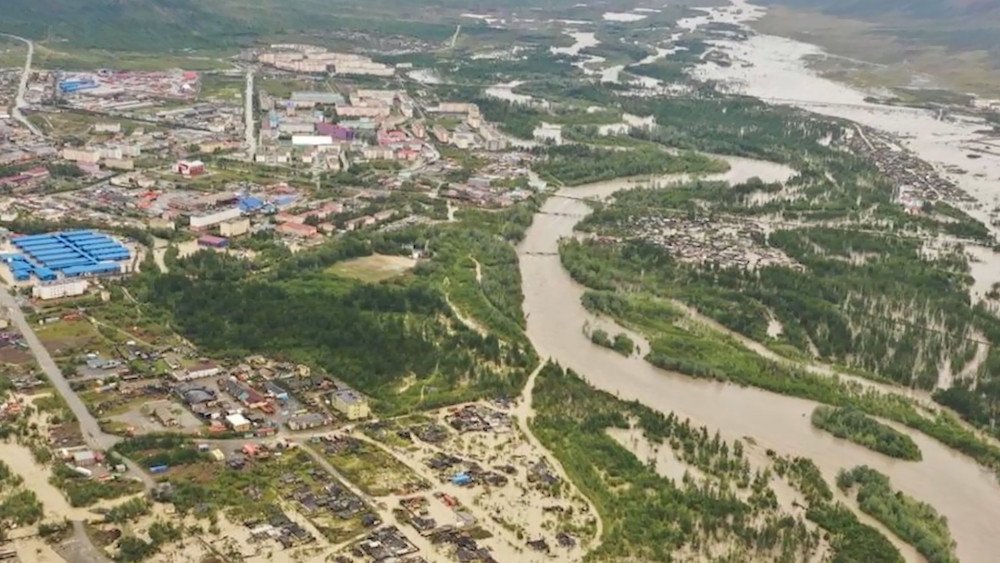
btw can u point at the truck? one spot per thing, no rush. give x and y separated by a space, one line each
158 469
83 471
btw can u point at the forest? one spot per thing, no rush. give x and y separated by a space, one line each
573 165
864 430
298 311
914 521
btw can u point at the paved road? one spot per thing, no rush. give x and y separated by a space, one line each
19 102
94 437
251 139
92 433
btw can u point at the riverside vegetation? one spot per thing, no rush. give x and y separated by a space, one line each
862 429
647 516
916 522
859 289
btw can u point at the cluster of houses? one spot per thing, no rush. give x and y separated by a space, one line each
729 243
259 395
280 528
916 180
330 498
386 544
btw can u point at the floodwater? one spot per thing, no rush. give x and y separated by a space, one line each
775 70
964 492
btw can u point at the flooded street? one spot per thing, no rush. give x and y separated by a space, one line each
968 495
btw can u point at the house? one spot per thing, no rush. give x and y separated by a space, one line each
165 416
250 397
238 423
351 404
306 421
189 168
84 458
300 230
197 371
275 391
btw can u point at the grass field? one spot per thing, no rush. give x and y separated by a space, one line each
56 56
374 268
12 53
376 472
65 338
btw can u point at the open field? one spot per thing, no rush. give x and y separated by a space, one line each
67 337
870 57
374 268
56 56
12 53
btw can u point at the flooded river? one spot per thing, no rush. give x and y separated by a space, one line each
968 495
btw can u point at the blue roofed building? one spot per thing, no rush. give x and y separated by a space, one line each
61 255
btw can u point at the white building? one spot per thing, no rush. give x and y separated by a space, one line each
311 140
60 289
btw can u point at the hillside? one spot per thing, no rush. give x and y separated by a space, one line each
962 25
159 25
921 9
949 44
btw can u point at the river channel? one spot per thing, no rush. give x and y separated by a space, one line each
964 492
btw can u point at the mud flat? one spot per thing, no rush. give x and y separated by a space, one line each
964 492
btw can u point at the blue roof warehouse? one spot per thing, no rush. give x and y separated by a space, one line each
65 254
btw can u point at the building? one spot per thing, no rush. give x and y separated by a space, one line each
235 227
203 369
189 168
60 289
211 241
311 140
107 127
66 254
214 218
238 423
165 416
84 458
335 131
119 164
306 421
351 404
312 99
297 230
82 156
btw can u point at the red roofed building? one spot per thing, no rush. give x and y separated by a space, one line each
297 230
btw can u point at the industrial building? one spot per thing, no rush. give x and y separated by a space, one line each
66 254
